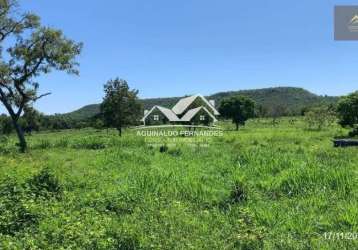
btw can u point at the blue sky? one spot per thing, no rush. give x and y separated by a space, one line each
172 48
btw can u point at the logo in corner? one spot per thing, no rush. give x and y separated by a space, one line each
354 19
353 23
346 22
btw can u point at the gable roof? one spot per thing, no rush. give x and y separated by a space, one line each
192 112
184 103
167 112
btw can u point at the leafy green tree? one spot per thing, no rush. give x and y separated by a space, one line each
98 124
121 106
276 112
29 50
31 120
261 111
6 127
347 110
59 122
319 117
237 108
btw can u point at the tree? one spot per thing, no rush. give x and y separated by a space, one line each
98 124
121 106
59 122
237 108
347 110
31 120
262 111
276 112
27 51
319 117
6 127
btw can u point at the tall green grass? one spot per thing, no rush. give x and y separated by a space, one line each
263 187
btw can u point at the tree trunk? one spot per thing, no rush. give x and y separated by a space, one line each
237 126
15 119
20 136
119 131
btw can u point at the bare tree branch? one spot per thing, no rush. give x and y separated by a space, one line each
40 96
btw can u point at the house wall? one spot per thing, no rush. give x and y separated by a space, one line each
162 118
196 119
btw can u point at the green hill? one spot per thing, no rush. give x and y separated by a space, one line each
293 99
83 113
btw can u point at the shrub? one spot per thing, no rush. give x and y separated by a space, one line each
44 184
123 240
163 149
319 117
353 133
4 146
238 193
120 204
15 214
3 139
348 111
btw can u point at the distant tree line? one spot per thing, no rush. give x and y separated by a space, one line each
35 122
120 108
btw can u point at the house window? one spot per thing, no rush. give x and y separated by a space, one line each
156 117
202 118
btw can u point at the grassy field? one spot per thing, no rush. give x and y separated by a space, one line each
271 187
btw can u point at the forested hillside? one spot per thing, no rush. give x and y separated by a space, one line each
292 99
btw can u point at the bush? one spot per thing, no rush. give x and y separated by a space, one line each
120 204
163 149
353 133
348 111
4 146
17 203
15 214
3 139
238 193
123 240
319 117
44 184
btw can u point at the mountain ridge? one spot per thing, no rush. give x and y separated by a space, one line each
292 98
